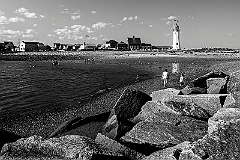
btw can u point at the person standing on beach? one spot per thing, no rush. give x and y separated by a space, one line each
181 82
165 77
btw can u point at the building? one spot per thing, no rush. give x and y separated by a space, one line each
9 47
29 46
122 46
161 48
146 47
176 36
88 47
134 43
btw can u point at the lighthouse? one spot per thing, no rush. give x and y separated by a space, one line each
176 36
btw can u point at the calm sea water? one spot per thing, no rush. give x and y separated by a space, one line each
35 85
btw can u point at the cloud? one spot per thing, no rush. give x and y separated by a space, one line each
150 26
231 34
50 35
130 18
124 18
99 25
172 17
16 19
34 25
25 12
27 36
163 19
61 5
76 17
1 13
93 12
168 22
167 35
10 33
42 16
3 20
28 31
94 38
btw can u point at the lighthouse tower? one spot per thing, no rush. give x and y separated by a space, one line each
176 36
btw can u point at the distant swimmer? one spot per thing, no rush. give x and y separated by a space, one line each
55 63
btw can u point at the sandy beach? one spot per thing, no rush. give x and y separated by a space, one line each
45 122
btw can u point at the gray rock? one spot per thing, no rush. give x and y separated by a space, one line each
188 109
128 106
7 137
156 111
115 149
35 147
222 141
192 90
164 94
209 102
171 153
161 135
217 85
199 85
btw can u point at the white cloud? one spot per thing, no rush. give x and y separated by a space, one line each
10 33
28 31
76 17
150 26
27 36
90 31
163 19
99 25
81 27
42 16
168 22
50 35
16 19
34 25
30 15
172 17
167 35
94 38
231 34
124 18
3 20
61 5
93 12
101 35
77 12
1 13
25 12
130 18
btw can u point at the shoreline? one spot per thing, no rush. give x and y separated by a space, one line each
44 123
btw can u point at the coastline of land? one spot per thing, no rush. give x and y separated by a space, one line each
45 123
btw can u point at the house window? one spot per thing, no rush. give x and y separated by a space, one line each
176 43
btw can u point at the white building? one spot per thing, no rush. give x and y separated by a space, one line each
176 36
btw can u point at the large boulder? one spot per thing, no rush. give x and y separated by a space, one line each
114 150
128 106
164 94
217 85
222 141
189 109
201 86
161 135
35 147
7 137
156 111
171 153
209 102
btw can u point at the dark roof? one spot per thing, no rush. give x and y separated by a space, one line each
8 43
31 42
132 41
146 44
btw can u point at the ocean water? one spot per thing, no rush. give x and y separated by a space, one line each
28 86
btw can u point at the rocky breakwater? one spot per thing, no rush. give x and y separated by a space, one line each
168 124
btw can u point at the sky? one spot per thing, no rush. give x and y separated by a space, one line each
203 23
